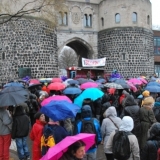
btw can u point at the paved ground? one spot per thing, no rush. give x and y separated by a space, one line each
100 153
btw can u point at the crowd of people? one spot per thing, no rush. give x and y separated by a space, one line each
118 110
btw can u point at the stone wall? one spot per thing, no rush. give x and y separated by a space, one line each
129 50
28 43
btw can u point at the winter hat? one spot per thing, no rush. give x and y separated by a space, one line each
148 101
37 115
86 111
146 93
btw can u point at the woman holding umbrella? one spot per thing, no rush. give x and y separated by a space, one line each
75 152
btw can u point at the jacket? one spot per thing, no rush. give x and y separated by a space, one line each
108 126
127 126
150 149
35 135
5 122
20 127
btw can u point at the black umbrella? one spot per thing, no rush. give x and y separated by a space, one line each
13 96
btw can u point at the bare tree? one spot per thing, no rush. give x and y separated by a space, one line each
67 58
16 9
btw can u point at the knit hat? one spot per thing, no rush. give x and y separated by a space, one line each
37 115
148 101
146 93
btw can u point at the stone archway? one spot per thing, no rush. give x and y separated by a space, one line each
81 47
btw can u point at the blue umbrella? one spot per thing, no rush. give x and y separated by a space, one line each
101 80
92 93
153 89
14 84
60 110
112 79
72 90
153 84
122 82
73 82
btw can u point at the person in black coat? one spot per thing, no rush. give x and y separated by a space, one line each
131 109
20 130
149 152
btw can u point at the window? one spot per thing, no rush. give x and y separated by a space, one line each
148 19
123 56
87 20
102 21
134 17
3 56
65 19
156 45
60 18
117 18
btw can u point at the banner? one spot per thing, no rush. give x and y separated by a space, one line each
93 62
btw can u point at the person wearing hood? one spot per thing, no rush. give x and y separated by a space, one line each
150 149
109 124
86 114
20 130
147 118
131 109
126 126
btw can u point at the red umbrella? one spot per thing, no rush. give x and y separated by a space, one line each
56 80
34 81
57 86
89 85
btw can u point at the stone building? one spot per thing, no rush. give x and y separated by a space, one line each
120 30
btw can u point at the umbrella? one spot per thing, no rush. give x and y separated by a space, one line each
143 80
66 81
60 110
14 84
56 80
88 85
56 86
122 82
132 87
31 85
56 98
83 80
12 96
34 81
72 90
73 82
101 80
92 93
153 89
135 81
55 152
113 85
153 84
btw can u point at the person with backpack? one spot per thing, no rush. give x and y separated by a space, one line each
35 135
109 124
152 147
53 133
122 143
20 130
89 125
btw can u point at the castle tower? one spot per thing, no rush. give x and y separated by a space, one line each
125 37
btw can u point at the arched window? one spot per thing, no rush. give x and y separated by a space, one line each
65 19
134 17
102 21
60 18
117 18
85 20
90 21
148 19
3 56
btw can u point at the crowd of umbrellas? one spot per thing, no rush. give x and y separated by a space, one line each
61 107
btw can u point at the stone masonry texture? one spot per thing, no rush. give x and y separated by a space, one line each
128 49
28 43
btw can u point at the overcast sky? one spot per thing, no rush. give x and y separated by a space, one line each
155 12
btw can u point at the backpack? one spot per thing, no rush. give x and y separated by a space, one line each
121 145
47 139
89 127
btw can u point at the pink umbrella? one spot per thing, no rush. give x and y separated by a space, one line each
55 152
57 86
88 85
56 80
143 80
55 98
34 81
132 87
135 81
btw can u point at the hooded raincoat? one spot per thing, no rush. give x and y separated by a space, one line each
127 126
108 126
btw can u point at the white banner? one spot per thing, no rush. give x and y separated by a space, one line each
93 62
